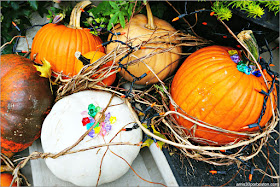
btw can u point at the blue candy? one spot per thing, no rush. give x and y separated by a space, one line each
89 125
91 133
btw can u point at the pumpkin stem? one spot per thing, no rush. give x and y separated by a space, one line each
151 24
248 39
76 14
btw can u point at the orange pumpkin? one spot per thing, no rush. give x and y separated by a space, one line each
209 87
58 43
94 56
138 31
6 179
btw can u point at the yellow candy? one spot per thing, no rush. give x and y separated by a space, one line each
232 52
113 119
97 130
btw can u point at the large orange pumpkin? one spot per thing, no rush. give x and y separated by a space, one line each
209 87
58 43
138 31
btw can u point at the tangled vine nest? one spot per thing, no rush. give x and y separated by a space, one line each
159 94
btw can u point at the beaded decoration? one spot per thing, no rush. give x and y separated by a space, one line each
100 128
242 67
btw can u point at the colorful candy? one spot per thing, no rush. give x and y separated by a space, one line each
235 58
100 128
241 66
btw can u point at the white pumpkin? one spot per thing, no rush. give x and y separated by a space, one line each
63 127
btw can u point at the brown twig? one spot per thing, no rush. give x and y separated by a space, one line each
10 42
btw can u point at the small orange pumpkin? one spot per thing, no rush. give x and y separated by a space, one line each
94 56
6 179
209 87
58 43
138 30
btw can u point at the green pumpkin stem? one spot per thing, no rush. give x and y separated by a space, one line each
248 39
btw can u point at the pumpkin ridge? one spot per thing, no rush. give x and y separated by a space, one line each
241 110
39 46
217 82
79 35
44 44
212 136
96 41
49 39
210 49
194 74
234 85
254 99
56 43
267 114
259 97
64 65
83 51
213 57
66 60
34 48
222 97
250 104
88 48
207 53
208 91
193 67
79 45
256 104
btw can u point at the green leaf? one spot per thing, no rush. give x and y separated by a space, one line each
33 4
15 5
50 12
160 144
113 20
122 20
114 5
157 133
147 143
55 10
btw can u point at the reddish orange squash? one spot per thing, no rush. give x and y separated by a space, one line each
25 98
209 87
58 43
6 179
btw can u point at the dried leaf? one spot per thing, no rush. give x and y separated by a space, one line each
45 69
